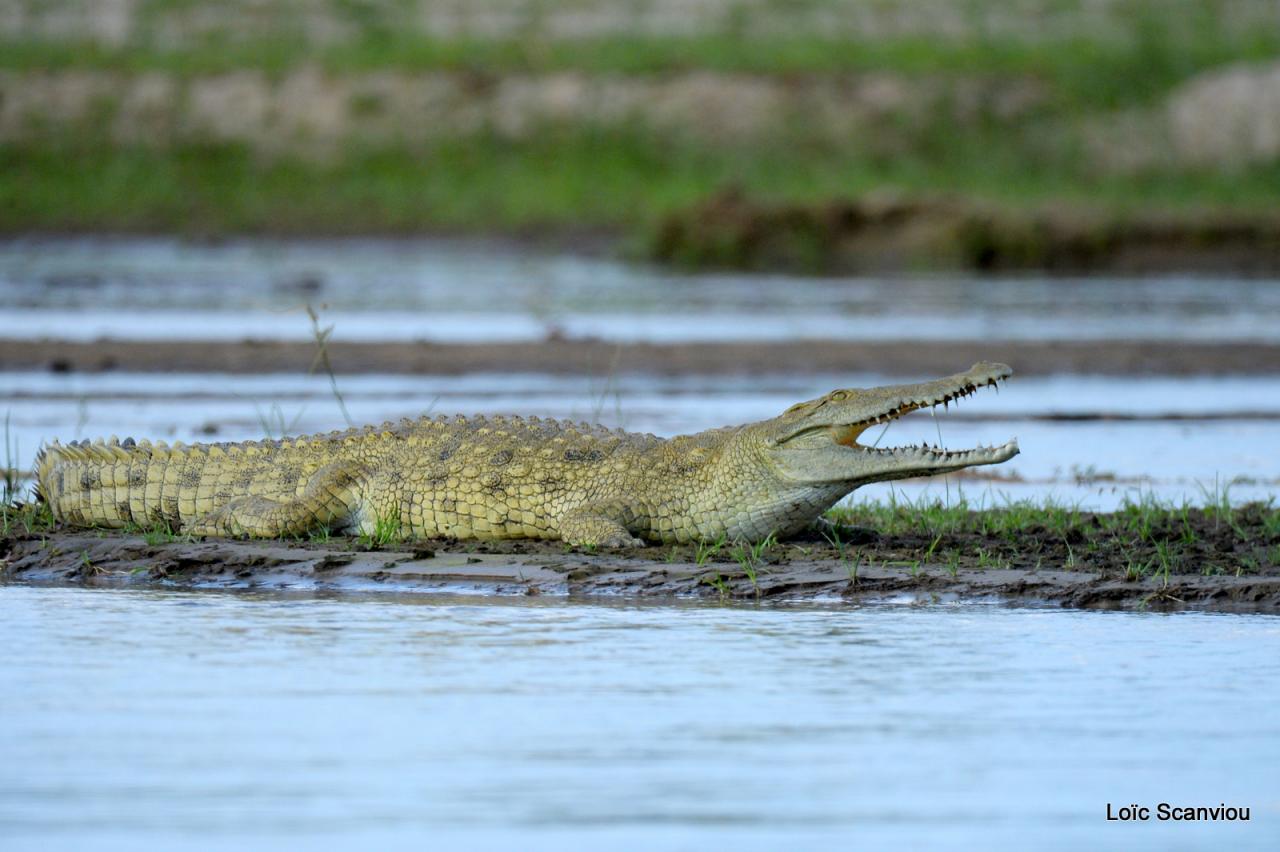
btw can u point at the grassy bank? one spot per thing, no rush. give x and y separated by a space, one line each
607 180
1158 52
1144 538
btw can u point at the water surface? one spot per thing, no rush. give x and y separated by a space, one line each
176 720
484 291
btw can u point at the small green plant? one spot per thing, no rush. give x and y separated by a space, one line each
1247 565
1165 559
25 519
87 568
851 566
718 583
1189 535
751 556
749 569
953 563
386 530
160 532
1136 570
706 550
833 536
761 548
1270 519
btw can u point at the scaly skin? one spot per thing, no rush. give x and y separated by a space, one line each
508 477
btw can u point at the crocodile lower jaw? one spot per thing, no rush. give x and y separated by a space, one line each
926 453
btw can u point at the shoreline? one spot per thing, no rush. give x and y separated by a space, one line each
87 558
597 357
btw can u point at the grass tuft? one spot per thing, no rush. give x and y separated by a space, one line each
386 531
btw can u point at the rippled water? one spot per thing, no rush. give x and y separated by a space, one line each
191 719
446 290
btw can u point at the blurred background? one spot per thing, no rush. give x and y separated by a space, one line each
663 215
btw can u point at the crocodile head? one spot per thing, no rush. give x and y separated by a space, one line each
817 441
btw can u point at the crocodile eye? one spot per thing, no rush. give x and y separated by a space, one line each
838 396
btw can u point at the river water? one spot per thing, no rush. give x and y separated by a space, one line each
177 720
464 291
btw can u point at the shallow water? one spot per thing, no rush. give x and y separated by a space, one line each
1186 438
456 290
172 720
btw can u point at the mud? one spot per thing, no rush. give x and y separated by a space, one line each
873 568
596 357
885 233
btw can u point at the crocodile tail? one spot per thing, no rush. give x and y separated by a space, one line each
96 484
42 469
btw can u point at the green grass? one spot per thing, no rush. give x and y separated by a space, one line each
707 550
751 558
386 531
1155 51
719 583
157 533
1143 537
25 519
614 181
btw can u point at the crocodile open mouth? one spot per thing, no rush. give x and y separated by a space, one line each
847 435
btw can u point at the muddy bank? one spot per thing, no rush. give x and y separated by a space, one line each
875 234
802 570
597 358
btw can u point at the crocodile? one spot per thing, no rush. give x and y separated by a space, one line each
511 477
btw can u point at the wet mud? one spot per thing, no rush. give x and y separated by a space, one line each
868 567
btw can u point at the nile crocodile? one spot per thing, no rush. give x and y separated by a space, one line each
511 477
